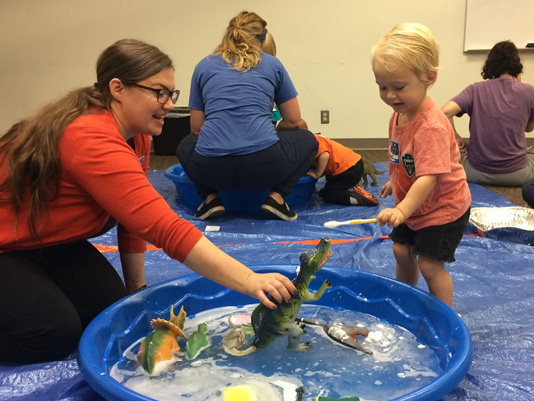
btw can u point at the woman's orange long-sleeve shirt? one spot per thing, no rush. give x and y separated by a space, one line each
101 176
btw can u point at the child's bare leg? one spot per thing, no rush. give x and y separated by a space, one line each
407 270
437 278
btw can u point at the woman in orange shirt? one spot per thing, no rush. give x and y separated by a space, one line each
71 172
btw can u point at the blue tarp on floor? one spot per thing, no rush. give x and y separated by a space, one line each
493 288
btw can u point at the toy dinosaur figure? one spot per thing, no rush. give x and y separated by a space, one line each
271 323
369 170
198 341
161 344
235 339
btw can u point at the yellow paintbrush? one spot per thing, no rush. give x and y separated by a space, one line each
333 223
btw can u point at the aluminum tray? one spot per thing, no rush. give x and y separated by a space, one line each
514 224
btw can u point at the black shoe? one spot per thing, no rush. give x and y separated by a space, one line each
208 211
277 210
363 197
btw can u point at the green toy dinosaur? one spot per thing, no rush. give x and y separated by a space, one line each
271 323
198 341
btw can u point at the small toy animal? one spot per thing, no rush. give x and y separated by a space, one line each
369 170
271 323
235 339
161 344
198 341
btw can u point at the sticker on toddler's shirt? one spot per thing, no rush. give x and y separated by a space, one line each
394 153
408 164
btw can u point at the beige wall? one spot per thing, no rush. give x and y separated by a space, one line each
48 47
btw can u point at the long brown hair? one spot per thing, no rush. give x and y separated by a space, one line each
241 44
29 151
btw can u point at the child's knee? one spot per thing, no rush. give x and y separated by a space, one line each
403 252
431 267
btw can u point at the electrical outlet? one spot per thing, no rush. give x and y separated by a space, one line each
325 116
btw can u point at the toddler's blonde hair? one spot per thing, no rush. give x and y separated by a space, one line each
411 45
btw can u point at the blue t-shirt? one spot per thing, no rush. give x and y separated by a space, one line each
238 105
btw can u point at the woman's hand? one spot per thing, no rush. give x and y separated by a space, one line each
277 285
462 145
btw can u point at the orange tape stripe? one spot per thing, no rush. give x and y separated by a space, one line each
114 248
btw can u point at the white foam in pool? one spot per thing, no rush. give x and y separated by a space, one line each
399 364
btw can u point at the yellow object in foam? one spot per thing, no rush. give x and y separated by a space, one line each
239 393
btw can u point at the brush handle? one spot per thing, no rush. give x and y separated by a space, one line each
333 223
362 221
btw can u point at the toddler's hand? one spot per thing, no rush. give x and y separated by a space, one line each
386 190
277 285
391 216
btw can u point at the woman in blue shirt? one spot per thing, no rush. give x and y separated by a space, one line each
234 144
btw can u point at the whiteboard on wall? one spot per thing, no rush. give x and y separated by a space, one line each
490 21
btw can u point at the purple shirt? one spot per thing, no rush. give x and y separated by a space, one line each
499 111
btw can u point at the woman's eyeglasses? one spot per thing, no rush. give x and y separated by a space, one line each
163 94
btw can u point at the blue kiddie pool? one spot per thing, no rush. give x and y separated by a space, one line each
436 326
238 199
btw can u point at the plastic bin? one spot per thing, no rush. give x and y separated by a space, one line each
176 127
237 200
